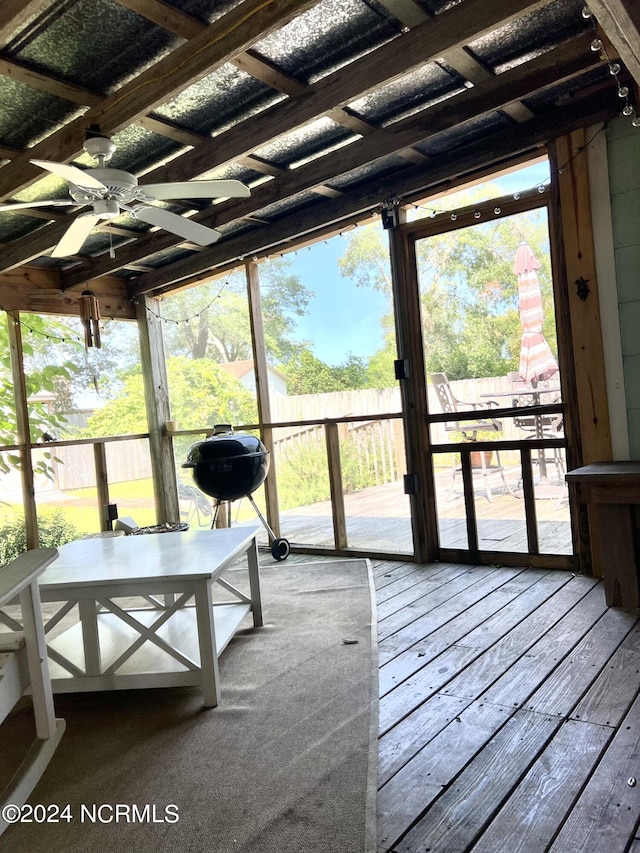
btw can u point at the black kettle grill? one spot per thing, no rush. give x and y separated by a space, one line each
230 465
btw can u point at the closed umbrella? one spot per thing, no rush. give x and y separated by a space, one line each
536 359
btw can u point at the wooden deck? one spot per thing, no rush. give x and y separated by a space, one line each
378 520
509 712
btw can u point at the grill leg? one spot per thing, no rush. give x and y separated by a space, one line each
272 535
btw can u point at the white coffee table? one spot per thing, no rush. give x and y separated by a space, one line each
160 642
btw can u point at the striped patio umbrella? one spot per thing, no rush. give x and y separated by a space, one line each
536 359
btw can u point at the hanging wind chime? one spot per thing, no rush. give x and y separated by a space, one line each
90 316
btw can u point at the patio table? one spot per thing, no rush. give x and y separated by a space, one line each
157 643
534 395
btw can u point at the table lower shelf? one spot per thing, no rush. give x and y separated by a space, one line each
149 665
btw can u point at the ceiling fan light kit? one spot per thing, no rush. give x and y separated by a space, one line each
110 192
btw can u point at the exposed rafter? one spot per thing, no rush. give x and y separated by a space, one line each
549 69
203 53
620 20
307 164
411 182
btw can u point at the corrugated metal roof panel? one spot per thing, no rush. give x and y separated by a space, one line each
166 256
313 139
563 92
529 36
408 94
16 225
289 205
327 37
98 44
28 116
372 171
205 10
435 7
465 134
218 101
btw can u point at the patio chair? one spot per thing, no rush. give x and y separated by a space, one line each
24 665
450 404
537 426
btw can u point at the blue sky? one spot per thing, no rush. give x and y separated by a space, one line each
342 318
345 319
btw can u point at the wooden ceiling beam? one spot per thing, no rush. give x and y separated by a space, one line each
165 16
457 57
412 182
45 83
547 70
38 291
620 20
16 14
212 47
456 26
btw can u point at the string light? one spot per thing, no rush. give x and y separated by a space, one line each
598 46
69 336
152 315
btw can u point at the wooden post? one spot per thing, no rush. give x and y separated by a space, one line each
335 484
22 428
589 435
413 390
156 394
582 287
102 484
262 392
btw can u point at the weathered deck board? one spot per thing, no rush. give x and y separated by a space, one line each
608 808
469 801
509 717
431 601
529 819
405 664
613 692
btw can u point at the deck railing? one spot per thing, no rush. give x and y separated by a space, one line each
374 448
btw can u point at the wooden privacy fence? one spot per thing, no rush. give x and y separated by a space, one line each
126 460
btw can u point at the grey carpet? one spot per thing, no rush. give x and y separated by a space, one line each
286 763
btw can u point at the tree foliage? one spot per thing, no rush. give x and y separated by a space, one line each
202 394
468 293
219 325
40 376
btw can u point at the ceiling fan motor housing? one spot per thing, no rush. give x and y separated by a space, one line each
106 208
119 185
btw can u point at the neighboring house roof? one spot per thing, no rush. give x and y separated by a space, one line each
239 369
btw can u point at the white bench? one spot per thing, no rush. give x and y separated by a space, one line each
23 665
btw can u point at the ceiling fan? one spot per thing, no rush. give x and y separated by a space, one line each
109 192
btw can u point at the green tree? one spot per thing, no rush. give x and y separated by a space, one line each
39 377
218 315
202 394
468 292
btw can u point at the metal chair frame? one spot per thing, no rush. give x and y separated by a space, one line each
469 430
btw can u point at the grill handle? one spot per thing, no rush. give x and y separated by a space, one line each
237 458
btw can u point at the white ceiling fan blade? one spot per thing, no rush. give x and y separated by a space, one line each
197 189
25 205
192 231
75 235
70 173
